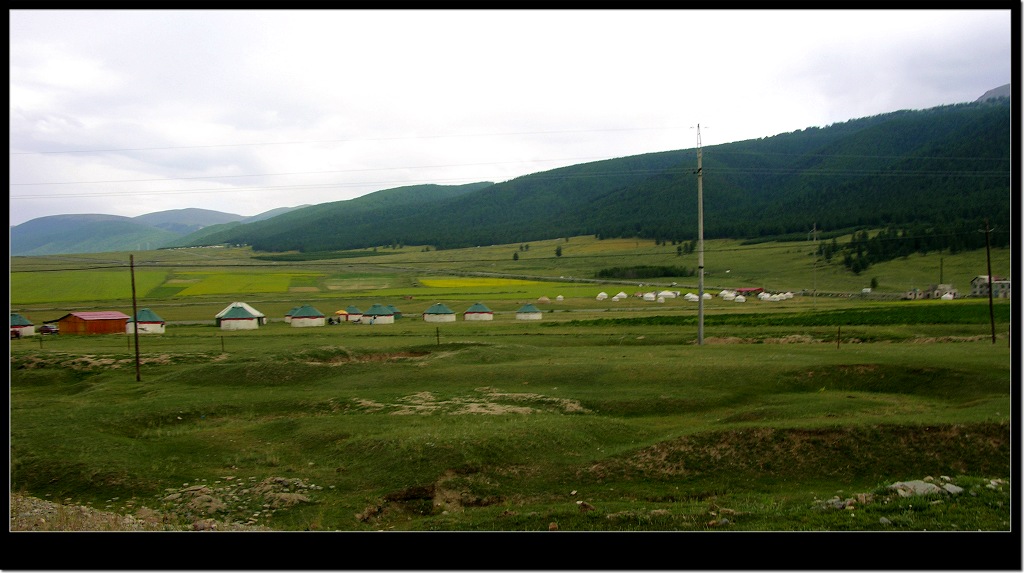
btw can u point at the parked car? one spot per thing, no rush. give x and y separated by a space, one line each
49 329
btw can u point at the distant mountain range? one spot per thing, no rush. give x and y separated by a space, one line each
938 167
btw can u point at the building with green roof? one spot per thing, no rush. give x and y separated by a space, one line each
378 314
439 313
148 322
478 312
529 312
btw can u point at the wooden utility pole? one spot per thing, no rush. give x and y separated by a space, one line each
700 243
135 320
988 258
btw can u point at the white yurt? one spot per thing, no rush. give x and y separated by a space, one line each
529 312
649 296
544 300
354 314
602 295
691 297
306 315
148 323
478 312
238 318
261 318
559 298
739 298
622 295
378 314
439 313
667 294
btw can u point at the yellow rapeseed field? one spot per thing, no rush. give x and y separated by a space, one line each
462 282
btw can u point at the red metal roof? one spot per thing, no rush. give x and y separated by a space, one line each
101 315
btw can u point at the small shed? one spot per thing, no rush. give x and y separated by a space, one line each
261 318
147 321
378 314
96 322
238 318
306 315
439 313
529 312
21 326
478 312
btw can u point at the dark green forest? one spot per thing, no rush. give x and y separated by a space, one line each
929 178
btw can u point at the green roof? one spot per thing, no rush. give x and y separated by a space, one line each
146 315
528 308
353 310
478 307
237 312
439 309
379 310
18 320
306 311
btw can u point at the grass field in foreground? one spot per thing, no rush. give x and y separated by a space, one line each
417 426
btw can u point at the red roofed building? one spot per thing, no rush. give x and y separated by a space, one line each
99 322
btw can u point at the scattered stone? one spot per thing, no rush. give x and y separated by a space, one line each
915 487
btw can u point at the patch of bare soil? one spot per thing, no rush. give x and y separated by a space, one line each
228 504
488 401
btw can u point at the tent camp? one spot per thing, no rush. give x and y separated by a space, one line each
97 322
148 323
238 318
439 313
478 312
261 318
378 314
306 315
20 326
529 312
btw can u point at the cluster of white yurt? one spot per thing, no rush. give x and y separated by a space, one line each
774 297
729 295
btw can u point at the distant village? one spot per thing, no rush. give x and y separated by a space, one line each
242 316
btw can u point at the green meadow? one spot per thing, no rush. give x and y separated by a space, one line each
601 416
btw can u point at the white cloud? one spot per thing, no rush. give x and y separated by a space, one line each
334 104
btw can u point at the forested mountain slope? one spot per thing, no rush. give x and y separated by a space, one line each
947 166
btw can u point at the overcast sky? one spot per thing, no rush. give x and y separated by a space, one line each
133 112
